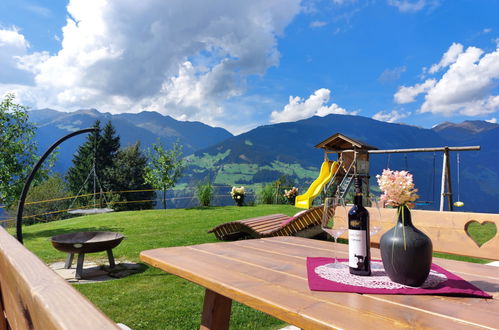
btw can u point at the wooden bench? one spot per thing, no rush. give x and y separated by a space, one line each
447 230
304 224
32 296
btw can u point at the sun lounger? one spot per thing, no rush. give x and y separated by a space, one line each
304 224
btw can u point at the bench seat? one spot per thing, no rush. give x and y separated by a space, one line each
32 296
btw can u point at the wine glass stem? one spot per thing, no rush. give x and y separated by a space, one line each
335 246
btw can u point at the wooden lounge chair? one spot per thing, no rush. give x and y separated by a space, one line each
304 224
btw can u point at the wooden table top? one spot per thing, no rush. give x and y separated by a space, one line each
270 275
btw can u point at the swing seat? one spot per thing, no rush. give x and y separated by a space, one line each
91 211
458 204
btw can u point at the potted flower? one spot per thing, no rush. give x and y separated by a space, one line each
237 194
291 194
406 252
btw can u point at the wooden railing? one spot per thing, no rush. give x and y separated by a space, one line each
447 230
32 296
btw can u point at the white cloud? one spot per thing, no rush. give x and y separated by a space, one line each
169 56
466 88
408 6
487 30
448 58
492 120
390 117
315 105
317 24
408 94
390 75
13 45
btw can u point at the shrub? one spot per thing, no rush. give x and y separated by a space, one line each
35 210
204 193
267 194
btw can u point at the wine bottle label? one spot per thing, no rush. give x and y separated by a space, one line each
357 248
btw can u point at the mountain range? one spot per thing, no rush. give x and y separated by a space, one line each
289 148
146 127
267 152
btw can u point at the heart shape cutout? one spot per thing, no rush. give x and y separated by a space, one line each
480 233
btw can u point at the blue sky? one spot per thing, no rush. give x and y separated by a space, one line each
240 64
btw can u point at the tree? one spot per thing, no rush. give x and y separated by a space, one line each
99 150
128 173
17 149
165 167
54 188
109 147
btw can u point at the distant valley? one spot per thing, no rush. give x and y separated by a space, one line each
267 152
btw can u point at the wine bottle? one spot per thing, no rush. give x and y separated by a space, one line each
359 251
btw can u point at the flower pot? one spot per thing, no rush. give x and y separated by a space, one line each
239 200
406 252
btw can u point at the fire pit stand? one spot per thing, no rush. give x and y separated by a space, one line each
81 258
86 242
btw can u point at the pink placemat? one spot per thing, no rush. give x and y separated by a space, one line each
326 275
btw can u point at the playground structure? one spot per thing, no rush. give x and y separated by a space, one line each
336 177
353 160
328 170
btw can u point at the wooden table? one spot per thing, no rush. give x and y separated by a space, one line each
270 275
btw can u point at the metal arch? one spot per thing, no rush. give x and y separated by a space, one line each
20 208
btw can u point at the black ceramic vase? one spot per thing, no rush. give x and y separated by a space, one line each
406 263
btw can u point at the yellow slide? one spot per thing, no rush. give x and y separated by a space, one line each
328 169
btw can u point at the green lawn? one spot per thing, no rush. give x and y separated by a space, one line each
153 299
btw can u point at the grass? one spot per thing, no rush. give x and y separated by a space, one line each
153 299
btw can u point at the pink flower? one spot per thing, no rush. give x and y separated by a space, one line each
397 187
291 193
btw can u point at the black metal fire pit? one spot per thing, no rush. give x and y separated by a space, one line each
86 242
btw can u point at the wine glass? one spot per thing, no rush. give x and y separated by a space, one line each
375 225
333 223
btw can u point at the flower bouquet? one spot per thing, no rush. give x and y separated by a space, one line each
397 187
406 252
237 194
291 194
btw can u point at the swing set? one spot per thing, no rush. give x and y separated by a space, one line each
353 160
96 182
446 186
431 184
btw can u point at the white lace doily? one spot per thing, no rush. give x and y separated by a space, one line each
340 273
